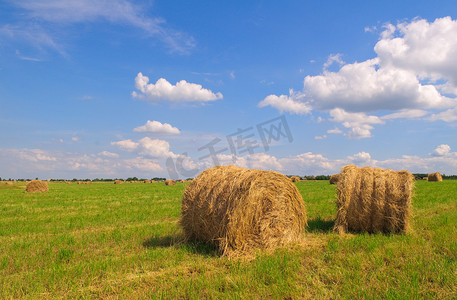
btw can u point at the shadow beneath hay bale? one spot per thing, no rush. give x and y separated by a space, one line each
177 241
319 225
160 242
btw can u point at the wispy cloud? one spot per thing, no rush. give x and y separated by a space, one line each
20 56
121 12
33 35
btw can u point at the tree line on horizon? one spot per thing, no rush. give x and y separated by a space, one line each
417 176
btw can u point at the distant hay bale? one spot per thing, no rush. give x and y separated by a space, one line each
425 178
147 181
334 178
88 182
36 186
239 210
8 183
373 200
294 178
67 182
170 182
435 177
118 181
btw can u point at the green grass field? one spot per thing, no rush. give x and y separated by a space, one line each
123 241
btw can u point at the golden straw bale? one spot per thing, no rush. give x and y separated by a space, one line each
36 186
239 210
373 200
435 177
170 182
147 181
334 178
294 178
118 181
8 183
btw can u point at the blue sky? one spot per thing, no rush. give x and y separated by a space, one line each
118 88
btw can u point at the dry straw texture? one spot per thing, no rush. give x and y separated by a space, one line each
435 177
294 178
36 186
147 181
239 210
118 181
373 200
170 182
334 178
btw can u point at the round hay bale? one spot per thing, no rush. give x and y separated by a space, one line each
88 182
435 177
118 181
373 200
295 179
8 183
36 186
147 181
170 182
239 210
334 179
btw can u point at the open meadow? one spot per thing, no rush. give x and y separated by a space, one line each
124 241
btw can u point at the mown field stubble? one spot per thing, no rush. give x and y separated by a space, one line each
124 241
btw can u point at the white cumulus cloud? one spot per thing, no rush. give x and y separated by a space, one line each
361 159
127 145
413 75
157 127
428 49
449 115
366 86
286 103
335 58
147 147
359 124
163 90
442 150
335 131
155 148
